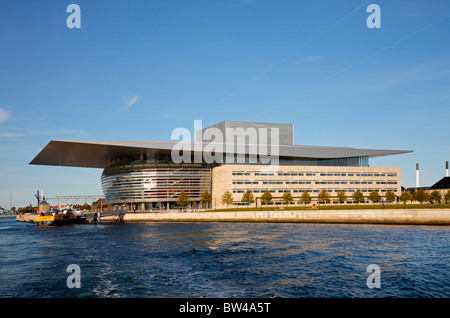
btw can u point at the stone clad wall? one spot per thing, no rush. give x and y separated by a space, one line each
222 180
31 218
394 216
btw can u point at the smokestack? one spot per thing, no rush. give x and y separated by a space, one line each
446 168
417 175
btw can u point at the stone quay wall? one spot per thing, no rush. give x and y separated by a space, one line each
382 216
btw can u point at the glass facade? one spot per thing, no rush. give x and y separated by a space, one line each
342 162
362 161
151 182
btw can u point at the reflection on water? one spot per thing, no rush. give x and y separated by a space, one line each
223 260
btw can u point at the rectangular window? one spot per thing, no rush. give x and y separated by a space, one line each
239 173
264 173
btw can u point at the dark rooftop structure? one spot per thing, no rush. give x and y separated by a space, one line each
444 183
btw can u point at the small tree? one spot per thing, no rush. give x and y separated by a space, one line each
421 196
305 198
287 197
183 199
206 198
266 198
435 196
26 209
390 196
447 196
358 197
324 196
374 196
227 198
405 196
342 197
247 197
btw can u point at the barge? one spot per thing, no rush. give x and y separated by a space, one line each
55 219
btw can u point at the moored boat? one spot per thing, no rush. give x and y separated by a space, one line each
55 219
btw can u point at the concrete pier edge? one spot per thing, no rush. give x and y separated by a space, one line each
385 216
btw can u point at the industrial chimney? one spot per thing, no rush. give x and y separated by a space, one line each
417 175
446 168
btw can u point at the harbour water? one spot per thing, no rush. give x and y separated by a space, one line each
223 260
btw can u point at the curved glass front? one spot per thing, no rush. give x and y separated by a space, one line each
155 182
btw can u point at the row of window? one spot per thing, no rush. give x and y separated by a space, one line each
391 174
161 194
309 190
322 174
237 203
356 182
309 182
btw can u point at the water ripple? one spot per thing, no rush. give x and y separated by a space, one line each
224 260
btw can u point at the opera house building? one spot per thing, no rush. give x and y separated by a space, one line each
229 156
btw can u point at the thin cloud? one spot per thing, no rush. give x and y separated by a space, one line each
267 70
422 72
4 115
379 51
130 102
247 84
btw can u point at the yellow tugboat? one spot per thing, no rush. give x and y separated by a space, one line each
51 219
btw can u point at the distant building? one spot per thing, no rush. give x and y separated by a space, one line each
44 206
441 186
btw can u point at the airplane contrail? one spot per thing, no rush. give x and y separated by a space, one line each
381 50
357 63
262 74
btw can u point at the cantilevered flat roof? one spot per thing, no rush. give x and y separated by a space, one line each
99 154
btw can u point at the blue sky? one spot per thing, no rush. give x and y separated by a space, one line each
136 70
